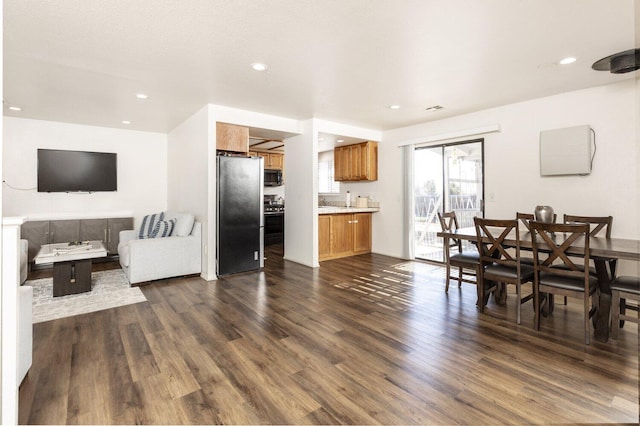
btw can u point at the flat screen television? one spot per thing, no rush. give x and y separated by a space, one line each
76 171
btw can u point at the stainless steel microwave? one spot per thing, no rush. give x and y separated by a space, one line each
273 177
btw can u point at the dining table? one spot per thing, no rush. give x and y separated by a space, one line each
601 249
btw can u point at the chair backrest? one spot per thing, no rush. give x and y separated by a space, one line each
597 224
449 223
525 218
490 237
552 242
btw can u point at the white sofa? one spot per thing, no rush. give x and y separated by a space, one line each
25 330
157 258
24 265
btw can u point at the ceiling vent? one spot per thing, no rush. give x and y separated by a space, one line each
619 63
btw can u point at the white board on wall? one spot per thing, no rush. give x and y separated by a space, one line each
565 151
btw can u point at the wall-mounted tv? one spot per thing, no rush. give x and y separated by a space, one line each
76 171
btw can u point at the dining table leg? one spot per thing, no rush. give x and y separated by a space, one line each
601 333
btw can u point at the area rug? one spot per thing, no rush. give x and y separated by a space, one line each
110 289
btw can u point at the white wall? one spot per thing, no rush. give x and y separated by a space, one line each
142 170
512 161
188 159
301 217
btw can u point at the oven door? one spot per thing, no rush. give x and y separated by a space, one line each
273 228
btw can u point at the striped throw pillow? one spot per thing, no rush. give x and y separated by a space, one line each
149 224
164 228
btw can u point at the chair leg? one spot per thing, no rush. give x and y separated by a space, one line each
519 302
587 326
460 276
536 309
446 277
615 308
481 299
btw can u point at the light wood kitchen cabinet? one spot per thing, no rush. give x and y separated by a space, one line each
344 234
362 233
324 236
230 137
357 162
342 163
272 160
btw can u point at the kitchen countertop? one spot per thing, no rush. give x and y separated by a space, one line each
337 210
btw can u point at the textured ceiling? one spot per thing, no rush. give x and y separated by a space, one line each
83 61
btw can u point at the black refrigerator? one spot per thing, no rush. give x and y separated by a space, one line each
240 214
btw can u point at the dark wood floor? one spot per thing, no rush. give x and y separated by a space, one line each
363 340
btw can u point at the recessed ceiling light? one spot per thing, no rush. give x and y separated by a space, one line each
15 108
141 96
434 108
340 140
394 106
258 66
126 122
568 60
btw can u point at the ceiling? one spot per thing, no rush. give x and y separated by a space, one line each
84 61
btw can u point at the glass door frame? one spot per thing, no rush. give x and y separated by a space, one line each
443 206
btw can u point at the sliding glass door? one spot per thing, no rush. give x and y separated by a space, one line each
447 177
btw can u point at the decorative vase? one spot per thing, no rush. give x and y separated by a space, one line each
544 214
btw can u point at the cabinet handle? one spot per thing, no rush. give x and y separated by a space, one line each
355 221
109 239
105 235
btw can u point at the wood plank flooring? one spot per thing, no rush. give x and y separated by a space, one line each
363 340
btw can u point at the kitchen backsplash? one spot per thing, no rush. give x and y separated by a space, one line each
339 200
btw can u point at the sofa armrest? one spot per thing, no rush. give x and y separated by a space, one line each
127 235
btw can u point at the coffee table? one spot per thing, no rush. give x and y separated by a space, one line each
71 265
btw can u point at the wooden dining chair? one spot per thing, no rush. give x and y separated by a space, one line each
467 262
599 226
497 263
570 281
622 290
524 219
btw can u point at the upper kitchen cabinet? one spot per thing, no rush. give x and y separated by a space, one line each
272 160
230 137
357 162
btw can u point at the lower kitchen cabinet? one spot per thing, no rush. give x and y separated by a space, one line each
342 235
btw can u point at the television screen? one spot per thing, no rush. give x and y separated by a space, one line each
76 171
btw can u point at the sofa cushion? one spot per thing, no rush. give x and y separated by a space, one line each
163 228
184 224
149 224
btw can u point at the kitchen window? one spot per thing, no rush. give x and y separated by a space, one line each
326 184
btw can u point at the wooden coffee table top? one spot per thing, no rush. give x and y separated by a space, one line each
64 252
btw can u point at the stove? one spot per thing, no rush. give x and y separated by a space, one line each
273 221
273 208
